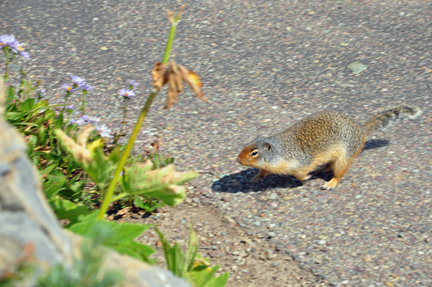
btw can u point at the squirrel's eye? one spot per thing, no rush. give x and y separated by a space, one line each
254 153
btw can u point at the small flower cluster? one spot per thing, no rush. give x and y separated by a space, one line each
128 92
102 130
77 83
9 41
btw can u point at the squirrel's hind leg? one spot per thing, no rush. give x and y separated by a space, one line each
340 166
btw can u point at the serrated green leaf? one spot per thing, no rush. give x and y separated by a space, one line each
121 236
163 184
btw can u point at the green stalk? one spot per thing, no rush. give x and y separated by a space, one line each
110 191
83 102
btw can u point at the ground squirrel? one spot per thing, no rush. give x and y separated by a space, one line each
326 140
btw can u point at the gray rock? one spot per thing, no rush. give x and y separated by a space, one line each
357 67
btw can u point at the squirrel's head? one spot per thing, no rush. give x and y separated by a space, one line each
256 153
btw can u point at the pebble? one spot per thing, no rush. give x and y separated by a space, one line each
321 242
271 234
196 200
257 223
226 198
273 195
223 233
275 263
183 221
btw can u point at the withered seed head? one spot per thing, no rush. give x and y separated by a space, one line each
175 75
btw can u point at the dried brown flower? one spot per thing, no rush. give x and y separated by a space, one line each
172 18
158 75
175 75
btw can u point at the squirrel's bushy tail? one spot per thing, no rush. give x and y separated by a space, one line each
384 118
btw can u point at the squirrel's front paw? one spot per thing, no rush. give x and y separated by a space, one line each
256 178
261 174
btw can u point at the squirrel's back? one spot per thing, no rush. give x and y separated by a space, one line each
322 131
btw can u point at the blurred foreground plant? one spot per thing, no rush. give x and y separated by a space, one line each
160 77
47 130
86 270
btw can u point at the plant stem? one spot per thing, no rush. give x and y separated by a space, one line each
126 152
118 197
83 102
124 116
110 191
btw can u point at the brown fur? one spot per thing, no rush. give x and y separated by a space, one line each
326 139
334 159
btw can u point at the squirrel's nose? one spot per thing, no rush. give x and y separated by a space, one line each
238 160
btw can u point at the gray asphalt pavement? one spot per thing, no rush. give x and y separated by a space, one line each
264 65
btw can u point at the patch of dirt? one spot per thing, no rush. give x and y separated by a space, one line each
251 261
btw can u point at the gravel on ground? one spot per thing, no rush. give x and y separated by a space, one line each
265 64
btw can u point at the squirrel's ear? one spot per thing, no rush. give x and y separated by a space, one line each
268 146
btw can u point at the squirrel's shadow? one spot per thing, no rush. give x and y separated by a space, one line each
241 181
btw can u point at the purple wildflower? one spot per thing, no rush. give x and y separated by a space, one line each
92 120
80 122
126 93
77 80
133 84
68 88
42 93
103 131
21 51
72 122
87 87
70 107
7 40
10 41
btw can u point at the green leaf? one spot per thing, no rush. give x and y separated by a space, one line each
191 250
115 155
202 276
42 135
166 247
219 281
32 141
100 168
59 122
138 202
15 116
48 169
121 236
163 184
66 209
27 105
10 95
54 184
